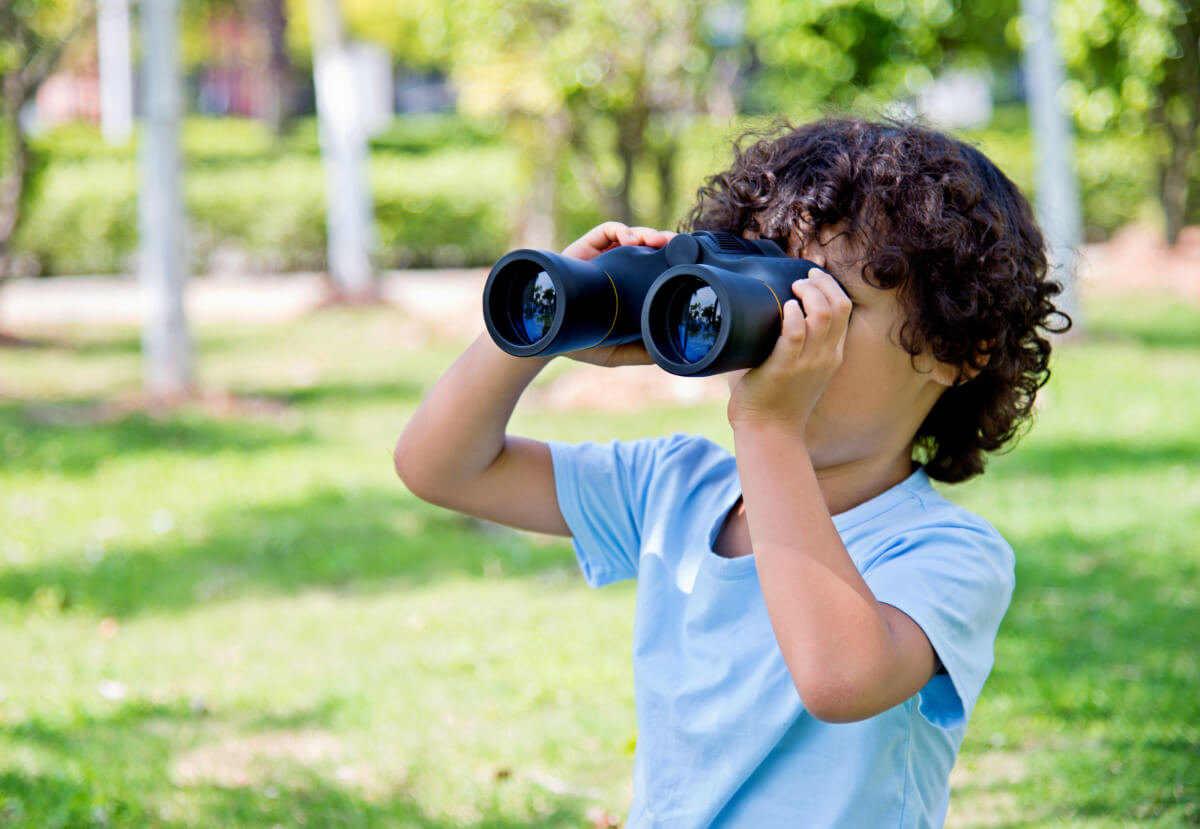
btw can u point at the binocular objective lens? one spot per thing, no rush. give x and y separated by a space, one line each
694 320
535 312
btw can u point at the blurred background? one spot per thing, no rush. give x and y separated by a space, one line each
239 240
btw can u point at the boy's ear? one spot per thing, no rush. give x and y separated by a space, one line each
949 374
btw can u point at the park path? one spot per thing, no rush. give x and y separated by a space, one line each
44 303
444 303
1133 259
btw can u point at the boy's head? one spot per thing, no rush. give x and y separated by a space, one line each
932 219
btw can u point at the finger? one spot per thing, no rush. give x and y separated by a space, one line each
612 234
840 303
794 328
650 236
597 240
818 311
792 336
831 287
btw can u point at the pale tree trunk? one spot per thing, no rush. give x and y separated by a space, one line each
162 263
342 133
113 50
1057 198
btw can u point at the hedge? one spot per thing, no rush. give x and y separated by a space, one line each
445 191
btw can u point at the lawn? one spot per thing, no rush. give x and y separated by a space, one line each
235 615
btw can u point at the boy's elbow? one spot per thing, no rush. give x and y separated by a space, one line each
834 700
411 471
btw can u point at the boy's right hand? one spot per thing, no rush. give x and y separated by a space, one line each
593 243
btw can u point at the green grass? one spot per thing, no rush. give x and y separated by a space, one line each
298 641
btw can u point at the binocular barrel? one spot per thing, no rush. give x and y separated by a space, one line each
538 303
700 320
705 303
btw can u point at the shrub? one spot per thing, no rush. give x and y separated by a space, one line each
448 208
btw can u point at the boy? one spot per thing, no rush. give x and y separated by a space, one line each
814 622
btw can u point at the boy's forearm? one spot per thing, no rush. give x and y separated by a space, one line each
458 431
834 635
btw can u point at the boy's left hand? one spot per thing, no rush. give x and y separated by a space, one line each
785 388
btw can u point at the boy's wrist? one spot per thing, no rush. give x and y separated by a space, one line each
759 427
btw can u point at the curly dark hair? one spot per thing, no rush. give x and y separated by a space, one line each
939 222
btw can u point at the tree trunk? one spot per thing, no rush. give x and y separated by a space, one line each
544 140
1174 189
348 210
14 164
162 259
1056 201
631 146
665 150
279 65
39 56
1180 117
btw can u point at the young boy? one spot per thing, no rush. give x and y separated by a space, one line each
814 621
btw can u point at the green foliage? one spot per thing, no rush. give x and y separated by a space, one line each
296 640
266 198
1120 52
1116 172
445 190
1136 68
860 55
32 27
414 31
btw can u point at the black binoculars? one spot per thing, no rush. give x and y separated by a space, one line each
705 303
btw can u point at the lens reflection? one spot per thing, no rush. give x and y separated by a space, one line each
536 310
694 318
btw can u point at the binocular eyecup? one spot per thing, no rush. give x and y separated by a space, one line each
706 303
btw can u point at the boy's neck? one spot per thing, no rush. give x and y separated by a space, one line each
846 485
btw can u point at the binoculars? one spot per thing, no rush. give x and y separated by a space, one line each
705 303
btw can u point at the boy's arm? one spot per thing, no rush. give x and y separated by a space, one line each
850 656
454 451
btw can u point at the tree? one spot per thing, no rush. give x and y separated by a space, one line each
162 260
344 156
273 15
582 82
33 36
588 80
862 55
1136 67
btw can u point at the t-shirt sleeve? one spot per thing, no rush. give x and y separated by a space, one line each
603 490
955 582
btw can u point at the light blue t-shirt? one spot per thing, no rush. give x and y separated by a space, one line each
723 738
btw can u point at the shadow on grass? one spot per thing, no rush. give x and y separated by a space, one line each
1065 459
392 392
61 437
359 541
122 771
1102 650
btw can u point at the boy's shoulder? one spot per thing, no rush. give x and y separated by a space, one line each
914 520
